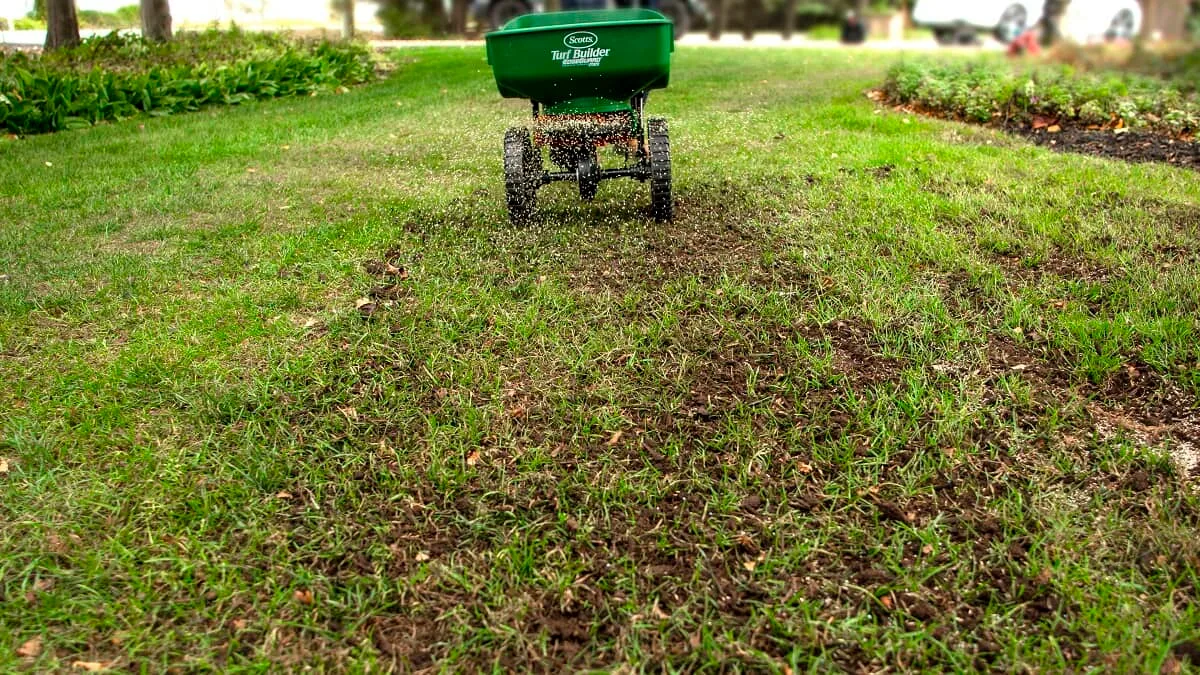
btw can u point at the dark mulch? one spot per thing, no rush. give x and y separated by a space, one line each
1131 146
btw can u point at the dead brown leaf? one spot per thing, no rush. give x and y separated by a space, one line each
32 648
90 666
473 458
615 438
303 596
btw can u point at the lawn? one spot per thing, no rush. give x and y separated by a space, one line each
891 393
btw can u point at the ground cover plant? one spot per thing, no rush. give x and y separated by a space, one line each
117 76
992 89
892 393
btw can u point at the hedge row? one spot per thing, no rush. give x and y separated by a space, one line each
118 76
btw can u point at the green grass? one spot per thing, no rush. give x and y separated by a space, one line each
892 393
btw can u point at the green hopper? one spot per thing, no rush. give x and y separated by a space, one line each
587 75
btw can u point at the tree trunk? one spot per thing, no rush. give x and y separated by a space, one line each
156 20
348 19
717 25
789 18
62 25
1165 19
458 16
750 9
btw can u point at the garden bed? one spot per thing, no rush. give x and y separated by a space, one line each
1125 115
119 76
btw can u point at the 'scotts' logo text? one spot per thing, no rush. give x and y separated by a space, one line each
580 39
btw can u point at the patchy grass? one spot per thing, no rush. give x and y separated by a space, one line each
892 393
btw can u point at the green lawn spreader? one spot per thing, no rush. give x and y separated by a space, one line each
587 74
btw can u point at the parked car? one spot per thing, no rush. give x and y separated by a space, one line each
958 21
683 13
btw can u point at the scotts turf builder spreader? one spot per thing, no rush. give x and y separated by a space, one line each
587 74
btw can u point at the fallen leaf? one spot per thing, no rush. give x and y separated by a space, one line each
238 624
927 549
303 596
310 323
283 494
1053 129
421 556
31 649
656 611
615 438
750 565
1041 122
3 465
362 302
473 458
90 666
804 468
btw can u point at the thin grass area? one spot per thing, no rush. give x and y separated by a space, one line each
890 394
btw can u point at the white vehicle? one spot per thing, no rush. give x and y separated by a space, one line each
958 21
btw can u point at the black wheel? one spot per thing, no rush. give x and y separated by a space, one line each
946 36
661 206
503 11
1012 23
587 174
679 14
522 174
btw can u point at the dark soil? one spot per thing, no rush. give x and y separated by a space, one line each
1131 146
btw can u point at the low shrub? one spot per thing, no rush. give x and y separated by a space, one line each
987 90
118 76
26 23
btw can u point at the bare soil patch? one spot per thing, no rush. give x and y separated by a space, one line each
1130 146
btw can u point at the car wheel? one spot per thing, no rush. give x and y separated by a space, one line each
1012 23
679 14
503 11
1122 26
945 36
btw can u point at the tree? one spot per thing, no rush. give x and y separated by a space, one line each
347 19
156 20
62 24
1166 18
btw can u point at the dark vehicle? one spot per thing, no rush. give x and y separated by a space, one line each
685 14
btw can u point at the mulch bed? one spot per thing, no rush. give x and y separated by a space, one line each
1131 146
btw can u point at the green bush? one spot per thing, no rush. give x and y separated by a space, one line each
984 90
26 23
126 17
826 31
116 76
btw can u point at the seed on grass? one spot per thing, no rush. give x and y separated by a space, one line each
31 648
